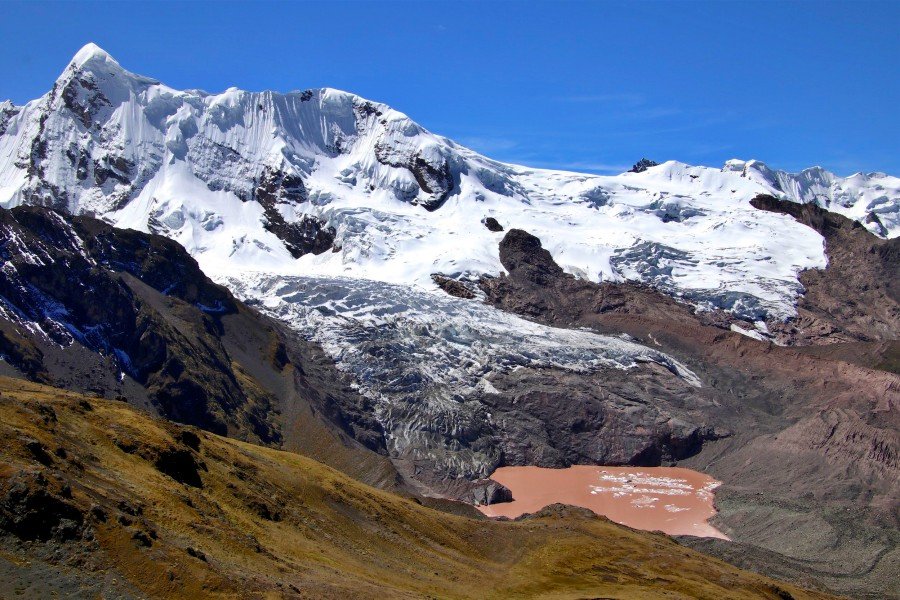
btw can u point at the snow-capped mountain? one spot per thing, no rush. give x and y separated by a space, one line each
322 182
870 198
337 225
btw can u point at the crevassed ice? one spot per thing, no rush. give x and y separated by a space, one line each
419 353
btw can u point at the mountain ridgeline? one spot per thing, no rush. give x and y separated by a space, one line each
316 273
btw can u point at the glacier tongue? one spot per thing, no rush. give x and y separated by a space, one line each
248 181
420 353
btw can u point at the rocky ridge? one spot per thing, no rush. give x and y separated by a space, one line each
130 315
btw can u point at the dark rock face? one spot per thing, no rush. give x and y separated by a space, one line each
81 95
489 492
522 253
537 287
310 234
88 288
7 112
453 287
157 261
642 165
873 219
492 224
556 419
35 508
433 178
20 351
857 298
179 460
131 316
180 465
63 275
115 168
366 109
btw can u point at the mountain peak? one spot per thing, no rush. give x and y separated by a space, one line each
108 79
91 52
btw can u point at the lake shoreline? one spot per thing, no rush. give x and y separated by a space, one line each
674 500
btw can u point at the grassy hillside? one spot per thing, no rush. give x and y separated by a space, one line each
97 497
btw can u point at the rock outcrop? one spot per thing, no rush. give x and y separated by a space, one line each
813 437
130 315
642 165
492 224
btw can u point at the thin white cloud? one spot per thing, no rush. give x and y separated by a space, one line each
649 113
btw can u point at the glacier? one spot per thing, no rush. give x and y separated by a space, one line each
427 358
404 203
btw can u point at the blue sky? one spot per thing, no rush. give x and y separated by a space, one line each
582 86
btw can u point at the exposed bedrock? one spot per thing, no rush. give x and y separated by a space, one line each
433 172
492 224
813 455
87 285
129 315
642 416
453 286
855 299
308 234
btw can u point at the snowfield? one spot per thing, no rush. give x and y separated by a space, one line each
404 203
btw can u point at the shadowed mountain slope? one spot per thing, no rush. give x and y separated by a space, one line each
129 315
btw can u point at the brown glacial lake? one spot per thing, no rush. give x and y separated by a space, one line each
674 500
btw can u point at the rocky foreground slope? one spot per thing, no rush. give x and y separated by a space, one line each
97 498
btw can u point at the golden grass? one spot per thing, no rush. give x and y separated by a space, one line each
328 535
